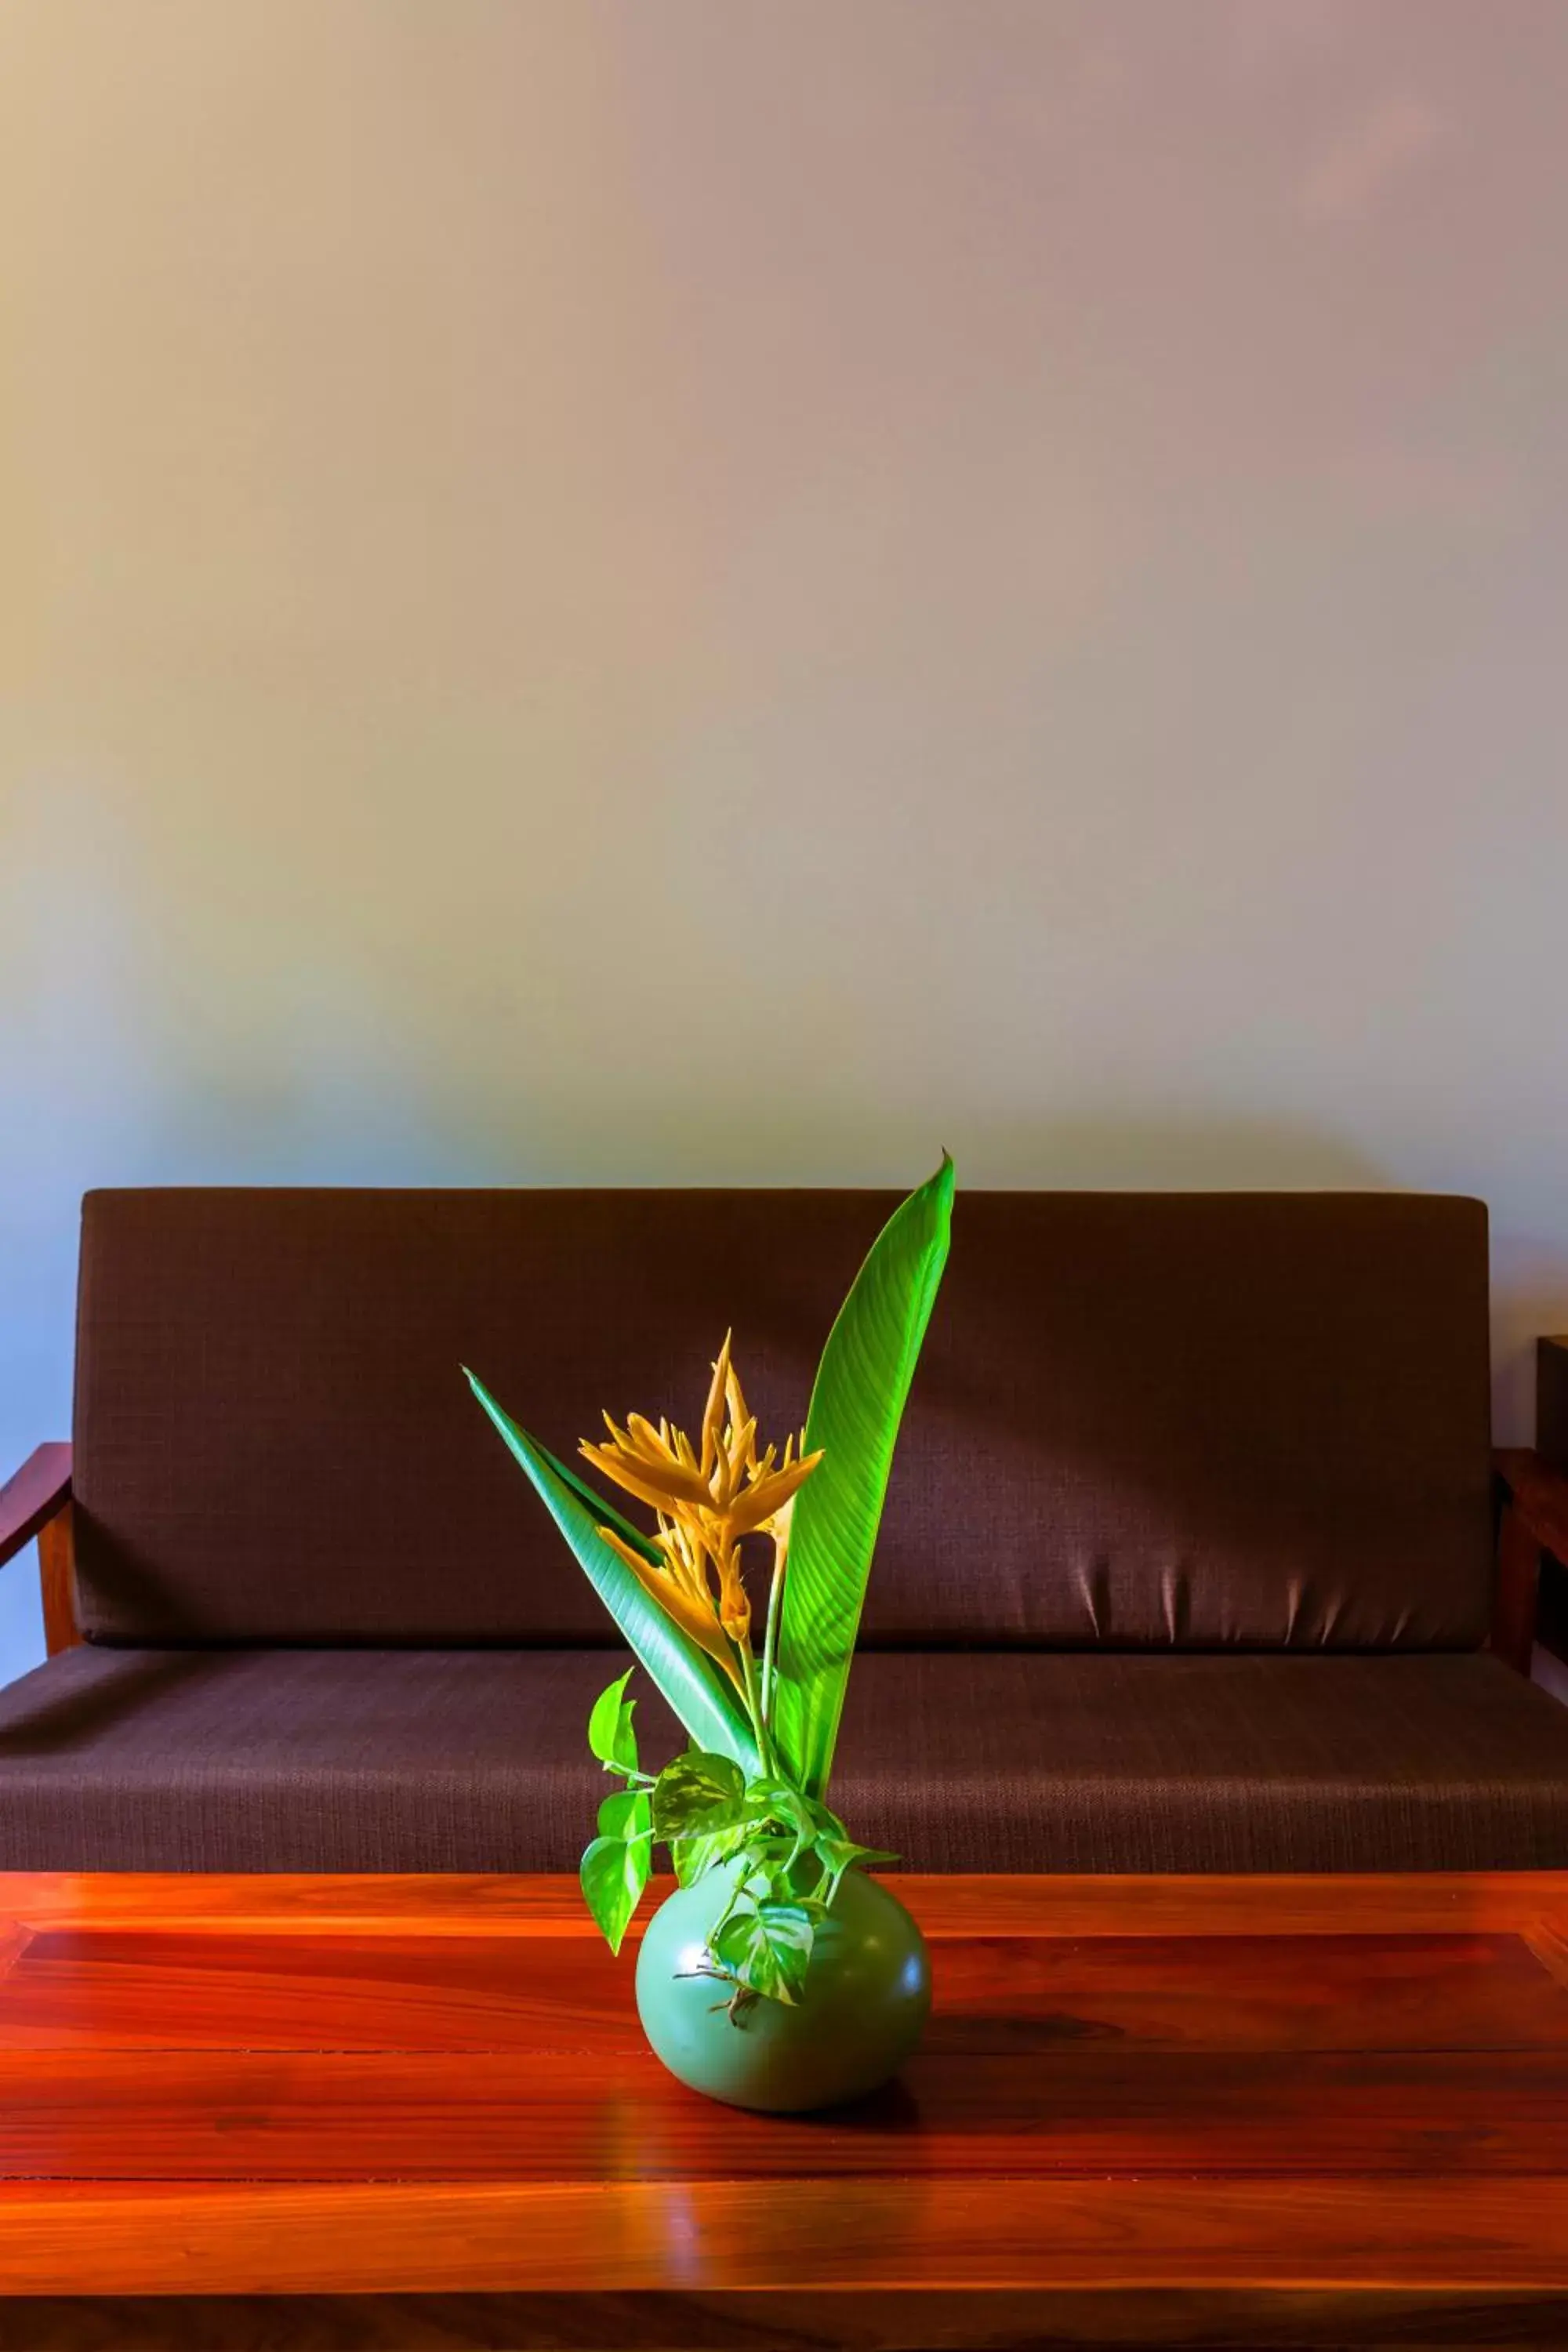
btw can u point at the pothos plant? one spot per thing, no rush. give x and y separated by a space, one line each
750 1790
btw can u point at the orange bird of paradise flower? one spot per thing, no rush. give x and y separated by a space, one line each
708 1497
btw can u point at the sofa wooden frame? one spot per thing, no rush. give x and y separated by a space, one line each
37 1503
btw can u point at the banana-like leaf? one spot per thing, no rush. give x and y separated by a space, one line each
694 1686
857 1404
606 1514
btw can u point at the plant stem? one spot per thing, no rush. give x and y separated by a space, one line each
771 1639
754 1709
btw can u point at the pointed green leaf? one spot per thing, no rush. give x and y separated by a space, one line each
694 1856
776 1801
611 1736
606 1514
838 1854
708 1705
698 1793
614 1872
766 1946
856 1405
626 1816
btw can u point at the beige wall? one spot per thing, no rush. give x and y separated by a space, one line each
743 588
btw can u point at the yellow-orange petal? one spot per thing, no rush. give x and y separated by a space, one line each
655 1483
735 1399
712 1411
761 1465
651 1443
678 1606
734 1607
687 1553
760 1502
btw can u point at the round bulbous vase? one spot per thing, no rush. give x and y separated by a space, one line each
865 2003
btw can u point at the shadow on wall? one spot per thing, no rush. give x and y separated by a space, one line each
1178 1153
1091 1151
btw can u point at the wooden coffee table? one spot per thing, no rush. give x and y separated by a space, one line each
1199 2111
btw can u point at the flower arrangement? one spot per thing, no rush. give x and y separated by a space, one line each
746 1804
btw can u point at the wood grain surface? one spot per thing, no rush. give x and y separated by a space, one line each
418 2111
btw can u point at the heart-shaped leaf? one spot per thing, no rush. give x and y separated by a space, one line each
694 1857
611 1736
626 1816
698 1792
613 1873
766 1946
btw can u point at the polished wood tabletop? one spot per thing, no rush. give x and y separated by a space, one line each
419 2111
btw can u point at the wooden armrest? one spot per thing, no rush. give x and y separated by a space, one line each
39 1491
1534 1519
37 1502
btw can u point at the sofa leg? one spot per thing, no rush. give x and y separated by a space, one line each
1518 1584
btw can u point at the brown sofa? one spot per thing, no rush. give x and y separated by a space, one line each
1188 1564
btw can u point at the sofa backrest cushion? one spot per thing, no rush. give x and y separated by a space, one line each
1176 1419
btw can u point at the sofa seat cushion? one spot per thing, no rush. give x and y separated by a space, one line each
475 1760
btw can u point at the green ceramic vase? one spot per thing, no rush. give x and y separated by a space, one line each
867 1997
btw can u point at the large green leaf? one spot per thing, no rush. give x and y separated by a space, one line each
606 1514
616 1869
707 1704
856 1405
